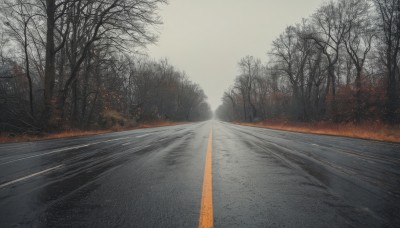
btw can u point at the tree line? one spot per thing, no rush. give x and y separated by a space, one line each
75 63
341 65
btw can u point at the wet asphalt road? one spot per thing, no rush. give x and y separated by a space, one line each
154 177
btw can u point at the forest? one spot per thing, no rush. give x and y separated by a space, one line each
340 65
80 64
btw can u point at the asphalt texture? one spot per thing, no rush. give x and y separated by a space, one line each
154 178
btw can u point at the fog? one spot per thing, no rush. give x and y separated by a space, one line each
207 38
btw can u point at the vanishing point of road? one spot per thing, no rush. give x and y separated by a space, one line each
208 174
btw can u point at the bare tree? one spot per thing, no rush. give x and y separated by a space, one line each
17 17
328 31
358 42
291 53
389 15
250 68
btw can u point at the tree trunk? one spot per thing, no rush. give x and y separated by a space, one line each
85 88
244 107
391 93
332 78
358 95
28 76
49 77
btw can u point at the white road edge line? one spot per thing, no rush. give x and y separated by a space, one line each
115 139
141 136
29 176
60 150
51 152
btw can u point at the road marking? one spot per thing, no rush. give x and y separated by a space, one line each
125 144
29 176
61 150
206 211
141 136
115 139
51 152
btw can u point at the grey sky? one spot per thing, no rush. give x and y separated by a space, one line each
207 38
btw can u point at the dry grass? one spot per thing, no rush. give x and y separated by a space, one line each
7 138
374 130
160 123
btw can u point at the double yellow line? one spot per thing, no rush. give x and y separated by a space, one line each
206 211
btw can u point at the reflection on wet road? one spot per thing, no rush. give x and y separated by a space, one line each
154 178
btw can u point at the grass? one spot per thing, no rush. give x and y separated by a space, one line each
160 123
8 138
373 130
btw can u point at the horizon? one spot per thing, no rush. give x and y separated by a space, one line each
206 53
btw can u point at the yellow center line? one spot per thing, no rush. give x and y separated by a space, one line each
206 211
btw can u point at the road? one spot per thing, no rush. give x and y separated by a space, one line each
160 177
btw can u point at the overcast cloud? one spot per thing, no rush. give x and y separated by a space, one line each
207 38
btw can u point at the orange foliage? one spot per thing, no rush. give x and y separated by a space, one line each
4 137
371 130
159 123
